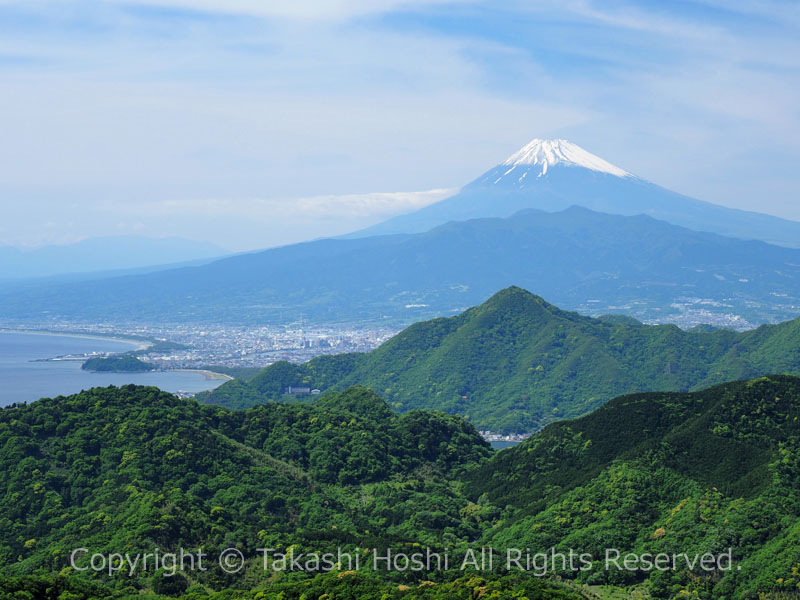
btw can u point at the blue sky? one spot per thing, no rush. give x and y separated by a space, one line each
254 123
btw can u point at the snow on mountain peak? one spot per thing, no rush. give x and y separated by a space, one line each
547 153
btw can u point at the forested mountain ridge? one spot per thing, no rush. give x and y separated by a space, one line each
134 468
516 362
655 472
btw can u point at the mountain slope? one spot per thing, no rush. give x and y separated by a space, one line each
132 469
552 175
517 362
129 469
698 472
580 259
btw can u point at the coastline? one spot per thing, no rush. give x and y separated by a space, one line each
140 344
209 375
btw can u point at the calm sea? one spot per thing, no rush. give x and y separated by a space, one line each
23 379
501 445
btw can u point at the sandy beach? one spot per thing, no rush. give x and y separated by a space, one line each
140 344
210 375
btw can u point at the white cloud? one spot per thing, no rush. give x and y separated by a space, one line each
142 115
630 17
292 9
781 11
378 205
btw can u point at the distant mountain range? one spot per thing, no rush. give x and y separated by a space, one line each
648 254
102 254
552 175
516 362
580 259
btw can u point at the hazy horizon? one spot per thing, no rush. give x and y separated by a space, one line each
252 125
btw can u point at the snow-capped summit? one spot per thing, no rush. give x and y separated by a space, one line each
544 154
552 175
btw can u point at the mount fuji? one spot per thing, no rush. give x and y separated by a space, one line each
520 223
552 175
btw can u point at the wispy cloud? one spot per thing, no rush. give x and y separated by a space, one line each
371 206
295 9
142 105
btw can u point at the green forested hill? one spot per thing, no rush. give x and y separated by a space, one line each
132 469
129 469
346 585
516 362
693 472
120 363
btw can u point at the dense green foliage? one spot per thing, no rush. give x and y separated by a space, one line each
340 586
131 469
127 363
516 362
656 472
